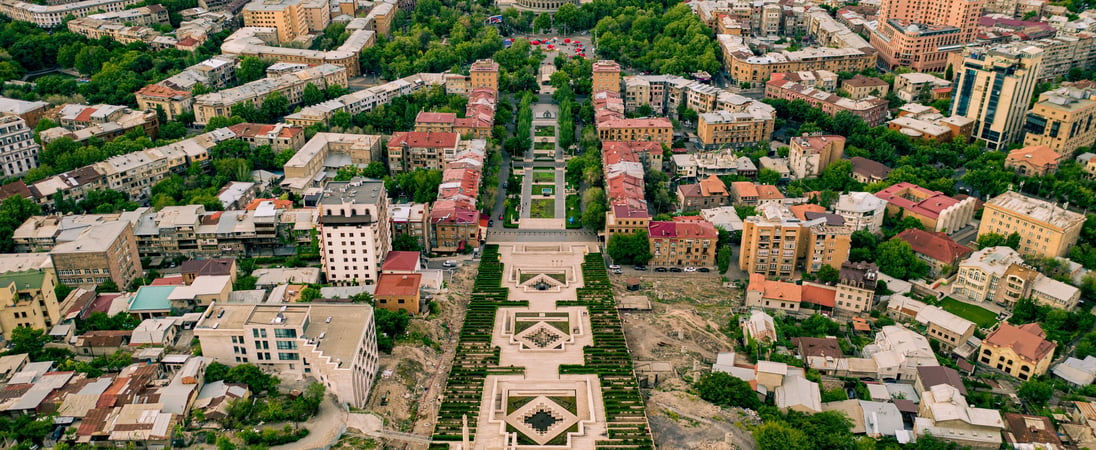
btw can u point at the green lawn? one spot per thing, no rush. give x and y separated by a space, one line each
983 317
538 189
541 208
544 146
511 214
545 130
544 177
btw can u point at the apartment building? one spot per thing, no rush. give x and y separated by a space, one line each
1046 230
777 243
27 298
145 15
364 100
399 292
936 211
219 104
1022 351
335 344
303 170
860 87
606 76
354 230
105 122
54 14
911 86
861 211
172 102
412 219
725 129
873 110
684 241
18 151
292 18
945 414
658 129
745 67
708 193
409 150
856 287
926 123
258 42
97 29
455 222
809 155
993 88
918 34
97 254
484 74
30 112
1062 119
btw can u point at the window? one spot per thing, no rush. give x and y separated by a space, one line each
286 345
285 333
288 356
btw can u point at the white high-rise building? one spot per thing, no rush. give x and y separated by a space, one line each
18 151
354 230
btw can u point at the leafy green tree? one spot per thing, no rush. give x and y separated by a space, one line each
14 211
594 207
1035 392
629 248
828 274
406 243
723 258
390 326
311 95
725 390
768 176
780 436
253 377
897 259
250 69
997 240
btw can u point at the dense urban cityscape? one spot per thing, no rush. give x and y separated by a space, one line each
559 224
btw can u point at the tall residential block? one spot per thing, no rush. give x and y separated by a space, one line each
810 155
1046 229
484 74
606 76
292 18
18 151
993 88
1062 119
335 344
354 230
27 298
97 254
776 243
919 33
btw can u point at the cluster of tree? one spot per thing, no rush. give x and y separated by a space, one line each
997 240
419 185
894 256
249 374
669 41
629 248
14 211
725 390
794 431
199 186
656 186
97 321
390 326
272 436
274 407
522 139
106 363
27 431
1061 326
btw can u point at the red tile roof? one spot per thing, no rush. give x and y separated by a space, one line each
85 115
1026 340
682 230
258 129
156 90
278 203
424 139
397 284
935 245
435 117
800 211
931 206
168 281
819 295
400 261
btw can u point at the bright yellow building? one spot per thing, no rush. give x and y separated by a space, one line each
1045 229
1018 351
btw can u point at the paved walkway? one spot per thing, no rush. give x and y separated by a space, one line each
323 429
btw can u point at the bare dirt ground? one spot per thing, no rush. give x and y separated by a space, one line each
685 329
410 379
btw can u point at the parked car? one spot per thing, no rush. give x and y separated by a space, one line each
704 270
690 269
675 269
618 271
491 222
640 267
449 263
660 269
614 267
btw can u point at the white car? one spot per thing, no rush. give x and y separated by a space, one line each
614 267
449 263
618 271
690 269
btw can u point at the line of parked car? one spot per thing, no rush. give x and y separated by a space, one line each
615 268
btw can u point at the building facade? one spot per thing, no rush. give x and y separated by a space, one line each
100 253
1046 229
685 241
1062 119
18 151
918 34
810 155
993 88
776 243
27 299
354 230
1022 351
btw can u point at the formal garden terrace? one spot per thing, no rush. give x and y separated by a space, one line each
552 367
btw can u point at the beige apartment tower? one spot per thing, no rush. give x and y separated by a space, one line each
484 74
776 243
1046 229
292 18
606 76
1062 119
27 300
993 88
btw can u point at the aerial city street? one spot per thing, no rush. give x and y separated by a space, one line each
557 224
